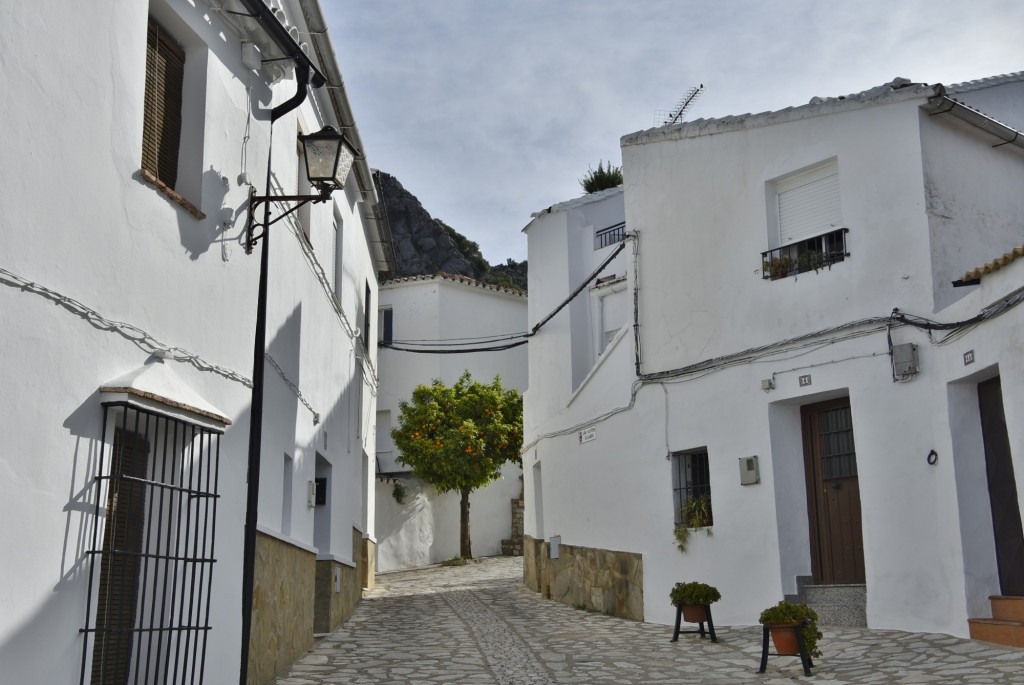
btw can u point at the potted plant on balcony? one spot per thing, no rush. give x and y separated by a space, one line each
810 260
696 514
777 267
784 620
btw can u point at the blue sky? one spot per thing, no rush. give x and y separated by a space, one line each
488 110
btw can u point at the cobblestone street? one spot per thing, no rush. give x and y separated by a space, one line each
479 624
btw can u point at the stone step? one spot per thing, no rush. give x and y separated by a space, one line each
846 615
1010 633
855 595
1007 608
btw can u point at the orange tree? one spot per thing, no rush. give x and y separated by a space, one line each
458 438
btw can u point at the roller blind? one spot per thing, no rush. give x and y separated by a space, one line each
808 203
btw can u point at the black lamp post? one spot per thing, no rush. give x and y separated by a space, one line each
329 159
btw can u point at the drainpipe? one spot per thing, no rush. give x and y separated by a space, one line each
306 73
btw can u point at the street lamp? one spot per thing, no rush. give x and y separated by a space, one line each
329 158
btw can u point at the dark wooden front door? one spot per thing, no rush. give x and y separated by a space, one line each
833 493
1002 489
119 569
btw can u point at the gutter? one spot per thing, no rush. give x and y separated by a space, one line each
382 250
943 104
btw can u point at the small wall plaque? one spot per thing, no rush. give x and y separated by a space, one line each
587 434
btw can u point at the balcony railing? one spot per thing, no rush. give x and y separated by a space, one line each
609 236
812 254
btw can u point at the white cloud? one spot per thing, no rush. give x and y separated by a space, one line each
488 110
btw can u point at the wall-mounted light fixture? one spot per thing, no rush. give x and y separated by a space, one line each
329 158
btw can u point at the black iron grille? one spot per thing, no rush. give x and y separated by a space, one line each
152 567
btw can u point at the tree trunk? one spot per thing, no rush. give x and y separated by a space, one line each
465 545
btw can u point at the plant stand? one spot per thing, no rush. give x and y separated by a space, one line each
707 615
805 658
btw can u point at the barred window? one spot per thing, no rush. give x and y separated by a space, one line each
691 488
151 561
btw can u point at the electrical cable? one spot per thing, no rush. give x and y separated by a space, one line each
462 350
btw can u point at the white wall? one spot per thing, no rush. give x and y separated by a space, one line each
114 243
425 529
697 197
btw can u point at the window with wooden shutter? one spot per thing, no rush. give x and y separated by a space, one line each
161 134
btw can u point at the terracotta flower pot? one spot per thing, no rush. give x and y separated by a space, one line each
784 638
695 613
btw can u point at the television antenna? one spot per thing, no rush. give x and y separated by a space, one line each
663 118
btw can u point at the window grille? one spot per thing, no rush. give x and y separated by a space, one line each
152 567
812 254
161 119
610 236
691 488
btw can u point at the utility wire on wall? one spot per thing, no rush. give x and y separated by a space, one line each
423 346
145 341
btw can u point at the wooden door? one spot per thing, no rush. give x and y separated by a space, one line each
119 569
1002 489
833 493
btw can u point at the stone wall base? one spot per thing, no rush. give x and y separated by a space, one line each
282 607
597 579
339 587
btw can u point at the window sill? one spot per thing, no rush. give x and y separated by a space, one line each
169 192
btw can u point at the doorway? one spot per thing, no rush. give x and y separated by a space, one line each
833 493
1002 489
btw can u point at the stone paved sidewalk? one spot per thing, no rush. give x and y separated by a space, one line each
478 624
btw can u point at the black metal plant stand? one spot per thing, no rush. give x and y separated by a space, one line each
700 624
805 658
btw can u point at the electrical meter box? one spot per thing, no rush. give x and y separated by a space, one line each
904 360
750 474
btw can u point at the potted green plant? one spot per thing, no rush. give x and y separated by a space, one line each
779 267
784 620
694 598
810 259
696 514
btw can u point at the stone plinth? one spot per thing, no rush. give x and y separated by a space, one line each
597 579
282 607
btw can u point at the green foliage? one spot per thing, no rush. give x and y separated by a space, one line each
459 437
469 249
511 274
399 492
602 178
787 612
697 511
699 594
696 515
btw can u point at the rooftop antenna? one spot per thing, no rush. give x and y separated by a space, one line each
663 118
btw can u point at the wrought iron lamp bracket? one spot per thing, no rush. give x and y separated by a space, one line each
251 237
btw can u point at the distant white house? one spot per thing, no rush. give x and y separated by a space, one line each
424 527
128 315
826 345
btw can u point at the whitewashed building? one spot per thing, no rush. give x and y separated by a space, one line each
128 309
817 347
415 313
